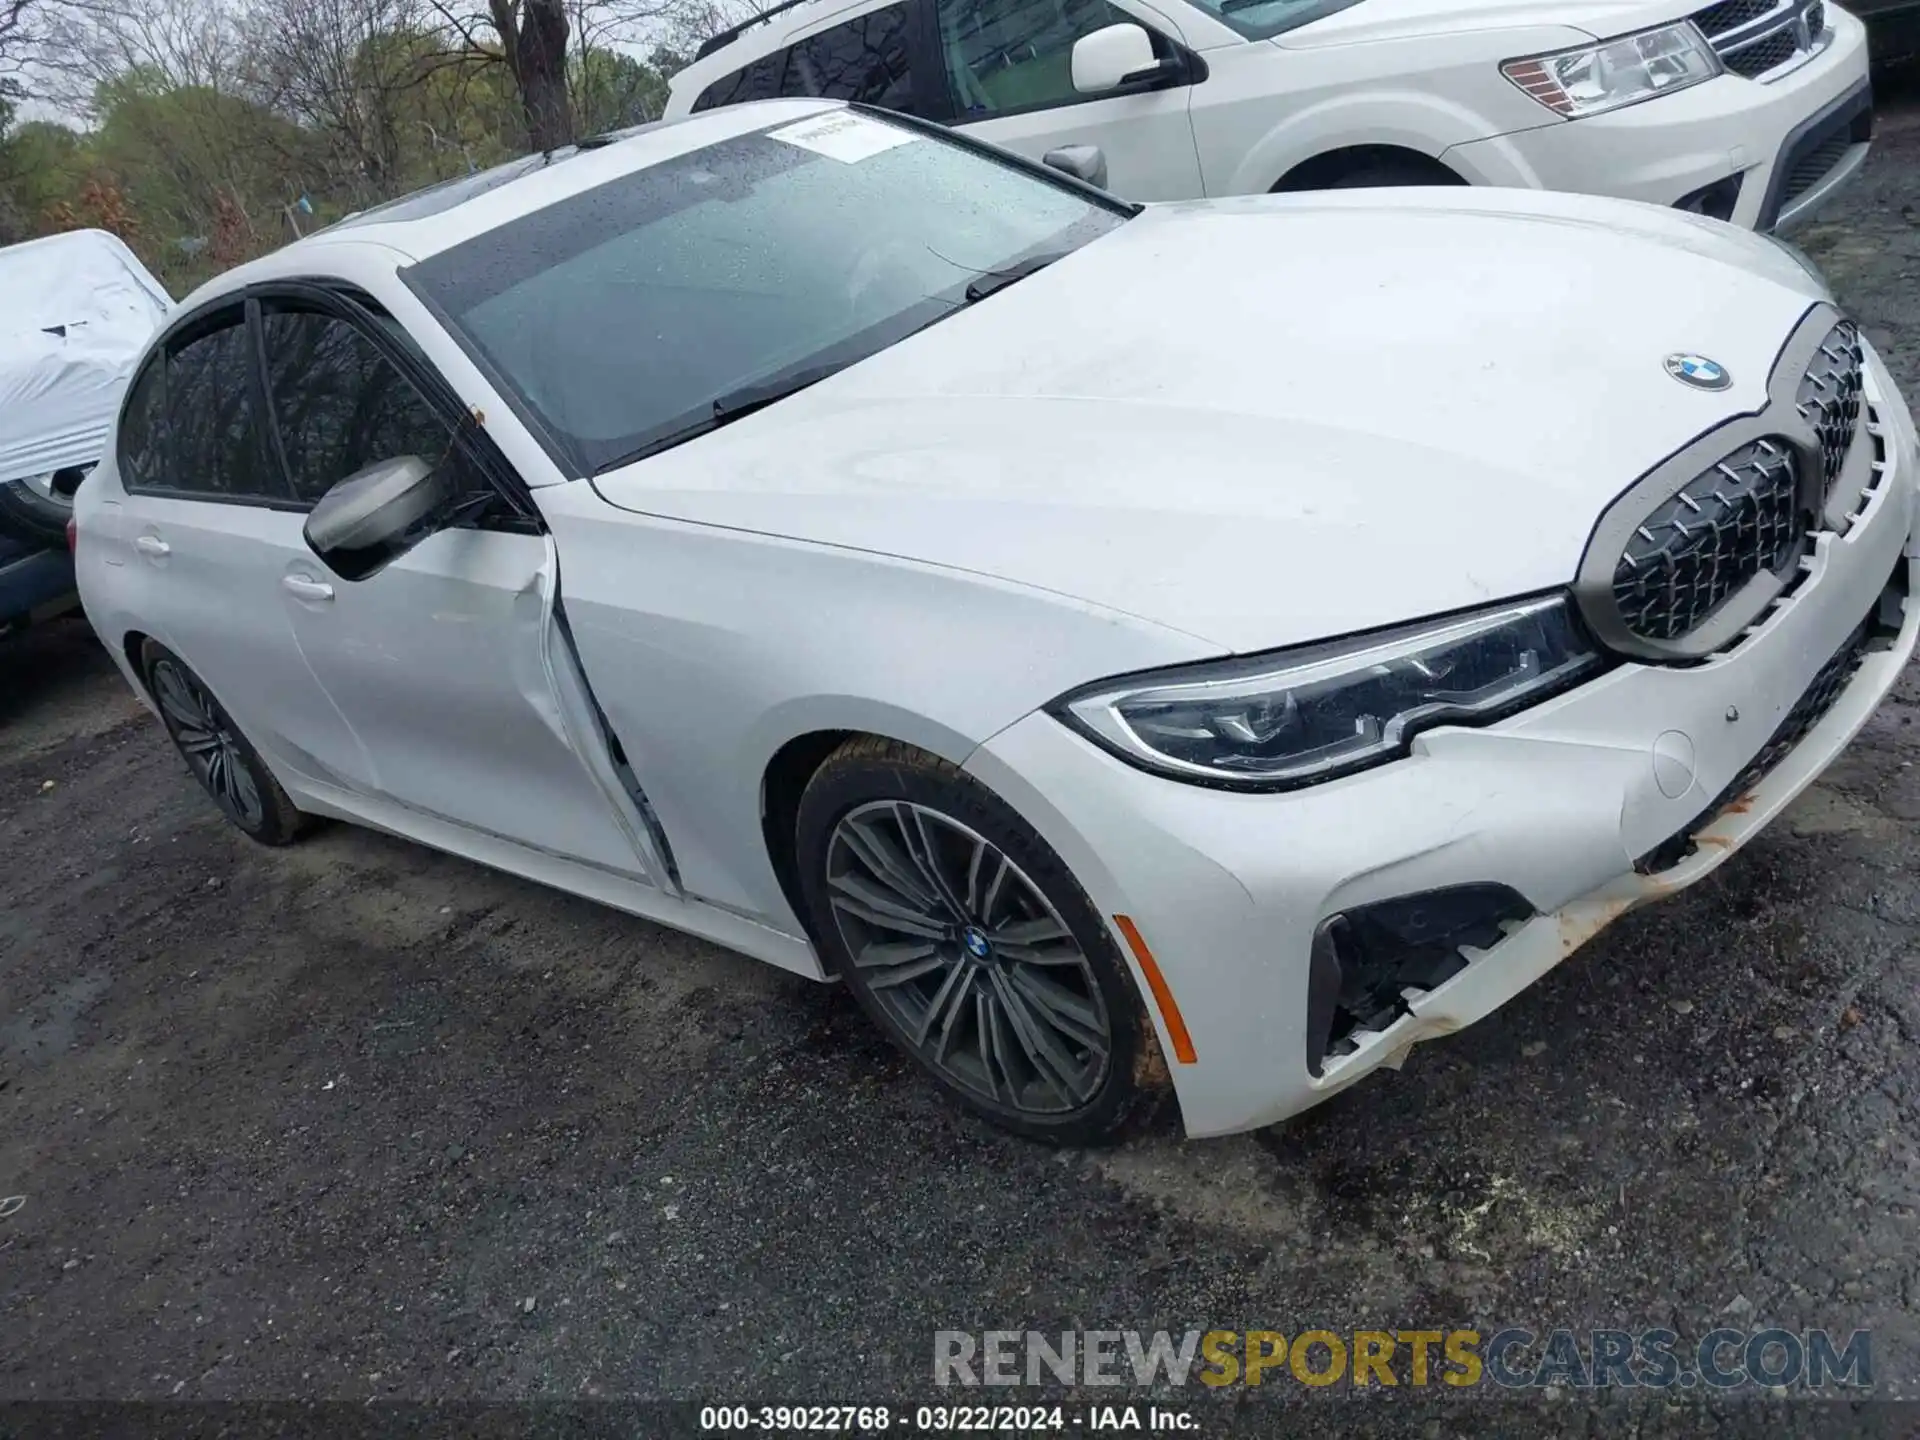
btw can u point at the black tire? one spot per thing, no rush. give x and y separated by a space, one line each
225 763
883 780
35 519
1385 174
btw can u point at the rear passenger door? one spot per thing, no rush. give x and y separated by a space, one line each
209 524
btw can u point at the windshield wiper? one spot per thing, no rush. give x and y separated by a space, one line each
991 282
727 408
762 393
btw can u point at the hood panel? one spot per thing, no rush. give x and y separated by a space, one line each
1268 421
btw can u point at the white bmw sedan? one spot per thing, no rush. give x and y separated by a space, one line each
1208 647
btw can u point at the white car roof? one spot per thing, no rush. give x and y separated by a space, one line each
442 216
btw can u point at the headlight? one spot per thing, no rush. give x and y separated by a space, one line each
1269 722
1597 78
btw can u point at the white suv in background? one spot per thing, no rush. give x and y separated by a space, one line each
1752 111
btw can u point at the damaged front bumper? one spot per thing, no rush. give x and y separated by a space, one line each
1530 836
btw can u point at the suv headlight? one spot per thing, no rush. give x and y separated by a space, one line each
1597 78
1294 717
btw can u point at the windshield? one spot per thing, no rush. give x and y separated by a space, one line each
639 312
1262 19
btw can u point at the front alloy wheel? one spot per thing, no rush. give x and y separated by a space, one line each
968 957
961 932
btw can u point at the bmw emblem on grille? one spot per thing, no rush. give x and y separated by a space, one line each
1699 372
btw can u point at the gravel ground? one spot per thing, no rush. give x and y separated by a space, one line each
359 1121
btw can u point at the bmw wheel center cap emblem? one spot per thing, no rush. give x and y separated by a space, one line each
977 944
1699 372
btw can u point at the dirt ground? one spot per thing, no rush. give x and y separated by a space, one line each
356 1120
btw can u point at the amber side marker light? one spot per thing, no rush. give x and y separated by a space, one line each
1162 995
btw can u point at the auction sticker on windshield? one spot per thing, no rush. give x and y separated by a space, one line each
843 136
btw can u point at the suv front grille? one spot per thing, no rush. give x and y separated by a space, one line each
1731 15
1755 37
1720 530
1830 395
1763 55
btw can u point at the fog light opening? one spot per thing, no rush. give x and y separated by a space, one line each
1716 201
1367 963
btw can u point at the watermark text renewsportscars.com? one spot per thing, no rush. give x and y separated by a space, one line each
1512 1358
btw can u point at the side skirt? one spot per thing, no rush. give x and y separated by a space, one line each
634 896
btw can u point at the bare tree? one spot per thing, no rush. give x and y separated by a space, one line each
530 38
19 40
165 43
535 39
180 125
342 68
534 35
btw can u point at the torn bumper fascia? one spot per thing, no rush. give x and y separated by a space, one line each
1535 947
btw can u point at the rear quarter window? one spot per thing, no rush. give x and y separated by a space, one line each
758 81
143 425
868 59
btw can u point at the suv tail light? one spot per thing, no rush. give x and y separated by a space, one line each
73 536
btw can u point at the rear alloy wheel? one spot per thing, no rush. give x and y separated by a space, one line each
964 936
221 759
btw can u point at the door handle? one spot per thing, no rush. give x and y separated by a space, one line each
305 587
152 545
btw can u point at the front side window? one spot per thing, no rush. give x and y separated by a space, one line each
339 405
643 310
192 426
1009 55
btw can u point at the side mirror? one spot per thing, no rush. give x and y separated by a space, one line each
1083 162
376 515
1115 56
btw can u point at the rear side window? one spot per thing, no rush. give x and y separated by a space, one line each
868 59
193 425
340 405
